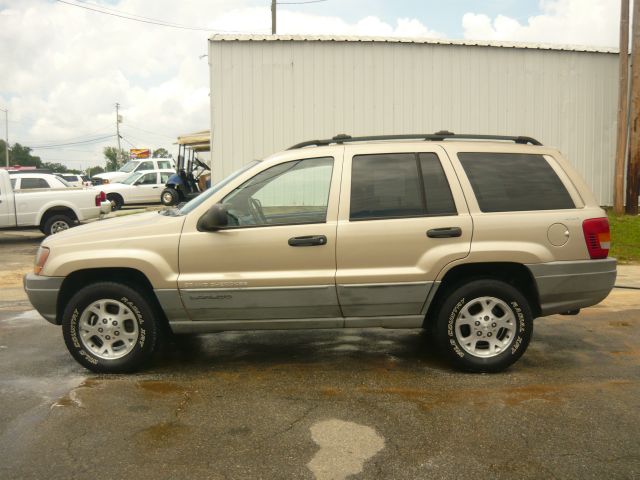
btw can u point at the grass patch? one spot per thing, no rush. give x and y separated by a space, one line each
625 237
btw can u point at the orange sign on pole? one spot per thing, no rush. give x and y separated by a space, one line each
139 153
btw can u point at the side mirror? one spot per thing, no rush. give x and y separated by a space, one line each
214 219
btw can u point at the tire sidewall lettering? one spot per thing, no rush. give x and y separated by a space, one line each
451 327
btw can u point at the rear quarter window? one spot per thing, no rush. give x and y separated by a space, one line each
513 182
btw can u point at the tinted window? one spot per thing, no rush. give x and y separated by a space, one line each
145 166
508 182
26 183
436 186
286 194
148 179
399 185
69 178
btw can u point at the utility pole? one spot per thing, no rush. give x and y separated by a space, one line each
633 169
273 17
6 135
118 155
623 110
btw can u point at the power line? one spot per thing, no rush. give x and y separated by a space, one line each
138 18
128 125
132 145
84 142
300 3
78 137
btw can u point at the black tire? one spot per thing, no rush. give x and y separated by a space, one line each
170 197
456 338
116 201
136 308
57 223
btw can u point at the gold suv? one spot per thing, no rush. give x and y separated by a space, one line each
468 236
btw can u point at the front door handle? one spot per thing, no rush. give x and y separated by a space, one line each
445 232
308 241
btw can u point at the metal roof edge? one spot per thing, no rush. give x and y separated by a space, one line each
417 40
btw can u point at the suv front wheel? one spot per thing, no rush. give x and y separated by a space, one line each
484 326
110 328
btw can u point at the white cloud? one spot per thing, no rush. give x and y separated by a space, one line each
576 22
64 67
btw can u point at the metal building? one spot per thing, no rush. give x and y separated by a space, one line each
270 92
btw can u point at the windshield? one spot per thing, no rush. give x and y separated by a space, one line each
131 178
129 166
205 195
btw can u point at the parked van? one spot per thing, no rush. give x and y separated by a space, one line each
468 236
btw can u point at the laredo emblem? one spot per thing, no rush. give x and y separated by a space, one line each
210 297
222 284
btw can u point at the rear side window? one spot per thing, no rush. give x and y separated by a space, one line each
513 182
399 185
164 164
26 183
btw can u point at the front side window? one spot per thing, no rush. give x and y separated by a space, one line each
397 185
287 194
513 182
148 179
28 183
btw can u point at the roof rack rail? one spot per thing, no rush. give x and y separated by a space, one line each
433 137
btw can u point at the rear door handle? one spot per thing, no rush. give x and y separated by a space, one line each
444 232
308 241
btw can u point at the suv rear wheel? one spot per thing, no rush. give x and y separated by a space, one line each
110 328
484 326
56 223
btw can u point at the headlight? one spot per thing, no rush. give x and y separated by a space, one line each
41 259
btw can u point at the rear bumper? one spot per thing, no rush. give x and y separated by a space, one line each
43 294
566 286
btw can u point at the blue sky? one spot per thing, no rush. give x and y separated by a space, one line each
444 16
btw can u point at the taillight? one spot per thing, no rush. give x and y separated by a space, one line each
101 197
597 236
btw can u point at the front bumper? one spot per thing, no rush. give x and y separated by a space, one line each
43 294
567 286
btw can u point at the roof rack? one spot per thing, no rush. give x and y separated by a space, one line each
433 137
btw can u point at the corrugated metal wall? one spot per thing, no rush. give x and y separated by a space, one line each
269 95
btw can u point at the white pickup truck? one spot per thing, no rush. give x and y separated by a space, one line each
49 209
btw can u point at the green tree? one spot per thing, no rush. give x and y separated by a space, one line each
19 155
115 159
58 168
95 171
161 153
